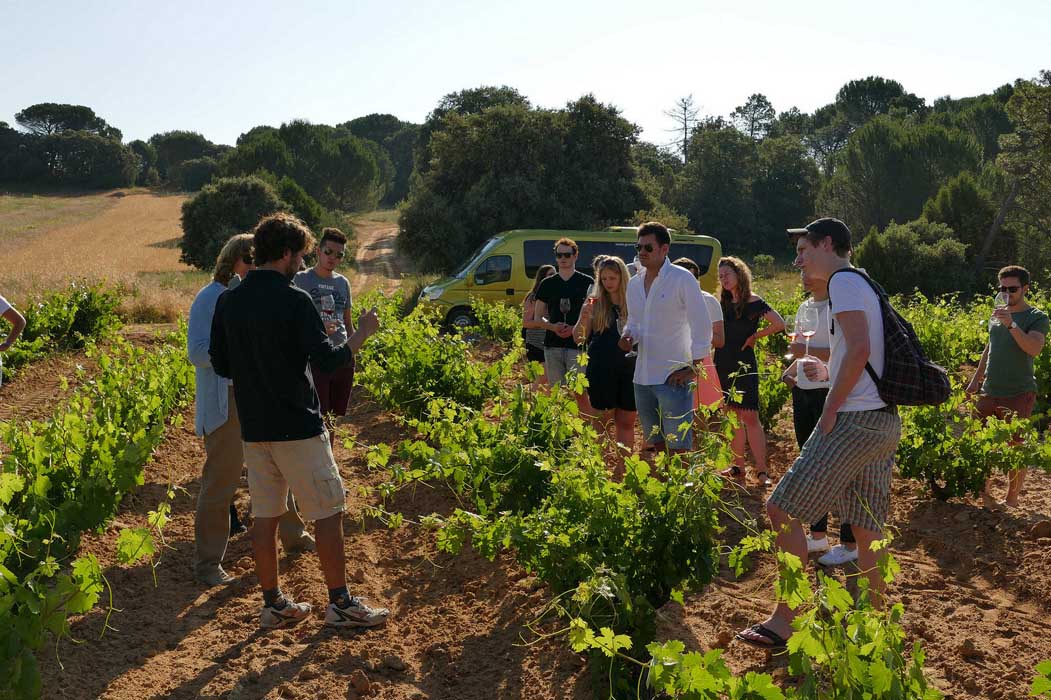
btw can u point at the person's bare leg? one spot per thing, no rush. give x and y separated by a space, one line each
329 535
753 428
868 563
988 499
625 428
791 538
1014 487
264 551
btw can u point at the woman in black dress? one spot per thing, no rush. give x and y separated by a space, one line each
610 372
736 364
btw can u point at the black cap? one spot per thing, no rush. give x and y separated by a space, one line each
825 227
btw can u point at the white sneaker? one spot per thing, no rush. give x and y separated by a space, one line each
355 614
291 614
814 545
838 556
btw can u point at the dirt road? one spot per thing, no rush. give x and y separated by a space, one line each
378 263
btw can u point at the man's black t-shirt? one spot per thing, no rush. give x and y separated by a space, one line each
559 294
264 334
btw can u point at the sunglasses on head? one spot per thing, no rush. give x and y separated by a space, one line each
1010 290
563 255
338 253
648 247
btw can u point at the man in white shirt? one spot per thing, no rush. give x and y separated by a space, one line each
847 461
668 319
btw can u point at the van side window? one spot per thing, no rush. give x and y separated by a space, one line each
700 254
495 268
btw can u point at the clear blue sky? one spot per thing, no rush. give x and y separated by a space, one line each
220 68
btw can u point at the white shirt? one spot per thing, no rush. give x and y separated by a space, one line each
671 324
715 309
850 292
819 340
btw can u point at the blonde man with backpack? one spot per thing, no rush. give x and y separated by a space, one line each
846 463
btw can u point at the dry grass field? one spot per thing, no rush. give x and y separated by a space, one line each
124 237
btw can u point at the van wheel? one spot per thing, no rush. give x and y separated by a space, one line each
461 317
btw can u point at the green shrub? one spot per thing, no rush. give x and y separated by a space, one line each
191 175
226 207
919 255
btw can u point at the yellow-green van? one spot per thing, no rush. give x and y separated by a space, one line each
504 267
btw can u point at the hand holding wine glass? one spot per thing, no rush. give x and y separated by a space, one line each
1000 303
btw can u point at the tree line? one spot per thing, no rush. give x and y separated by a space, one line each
956 186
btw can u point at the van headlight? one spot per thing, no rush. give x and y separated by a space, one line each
431 293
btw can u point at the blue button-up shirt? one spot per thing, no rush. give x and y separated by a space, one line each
212 396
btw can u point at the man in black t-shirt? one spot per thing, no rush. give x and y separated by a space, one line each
558 302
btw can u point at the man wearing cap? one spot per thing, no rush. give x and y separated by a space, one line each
846 463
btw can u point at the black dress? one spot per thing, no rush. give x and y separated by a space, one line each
610 374
730 357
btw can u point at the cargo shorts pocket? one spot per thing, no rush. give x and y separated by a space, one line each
329 488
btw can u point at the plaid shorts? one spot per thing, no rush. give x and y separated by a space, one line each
847 471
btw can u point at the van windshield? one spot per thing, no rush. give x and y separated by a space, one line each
474 259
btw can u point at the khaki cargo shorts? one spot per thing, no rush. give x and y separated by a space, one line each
305 466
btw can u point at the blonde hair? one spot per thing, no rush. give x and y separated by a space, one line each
602 314
744 286
237 248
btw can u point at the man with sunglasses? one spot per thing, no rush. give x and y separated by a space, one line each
1005 378
668 320
331 294
559 299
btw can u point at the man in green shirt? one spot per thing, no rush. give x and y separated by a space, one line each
1005 374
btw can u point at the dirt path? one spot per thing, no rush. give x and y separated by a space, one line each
378 263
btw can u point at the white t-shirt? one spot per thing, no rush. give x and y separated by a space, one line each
850 292
715 309
820 340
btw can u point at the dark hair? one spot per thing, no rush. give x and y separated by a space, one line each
333 234
566 241
542 274
277 234
689 265
1014 271
657 230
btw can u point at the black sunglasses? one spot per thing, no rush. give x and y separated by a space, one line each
1010 290
563 255
246 259
338 253
648 247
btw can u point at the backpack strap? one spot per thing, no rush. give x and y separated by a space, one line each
880 294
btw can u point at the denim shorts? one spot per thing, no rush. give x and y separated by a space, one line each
558 362
666 414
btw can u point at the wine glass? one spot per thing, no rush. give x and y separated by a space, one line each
621 324
1000 301
790 331
564 306
806 325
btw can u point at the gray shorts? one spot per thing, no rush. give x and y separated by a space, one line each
558 362
847 471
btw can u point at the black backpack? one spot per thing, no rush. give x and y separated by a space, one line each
909 378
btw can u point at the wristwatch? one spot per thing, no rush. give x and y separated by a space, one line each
1013 325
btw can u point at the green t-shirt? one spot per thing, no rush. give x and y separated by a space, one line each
1009 371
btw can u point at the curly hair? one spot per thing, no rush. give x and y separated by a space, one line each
744 286
279 233
239 247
